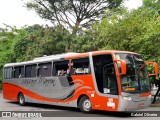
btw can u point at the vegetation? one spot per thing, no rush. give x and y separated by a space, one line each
137 30
0 85
73 13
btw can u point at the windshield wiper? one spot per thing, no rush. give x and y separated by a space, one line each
142 67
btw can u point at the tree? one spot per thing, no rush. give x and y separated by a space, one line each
152 4
73 13
41 41
8 38
136 31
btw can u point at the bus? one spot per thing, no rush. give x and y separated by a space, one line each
106 80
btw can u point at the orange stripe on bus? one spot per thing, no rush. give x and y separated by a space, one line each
8 87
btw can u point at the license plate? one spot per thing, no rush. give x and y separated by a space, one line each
141 105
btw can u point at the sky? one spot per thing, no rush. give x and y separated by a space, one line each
13 13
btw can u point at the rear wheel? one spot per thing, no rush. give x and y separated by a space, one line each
21 99
85 104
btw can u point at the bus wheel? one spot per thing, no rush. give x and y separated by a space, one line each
85 104
21 99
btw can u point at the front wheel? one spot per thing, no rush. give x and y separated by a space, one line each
85 104
21 99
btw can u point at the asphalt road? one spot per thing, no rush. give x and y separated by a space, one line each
66 113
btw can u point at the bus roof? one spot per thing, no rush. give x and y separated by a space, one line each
64 56
42 59
97 52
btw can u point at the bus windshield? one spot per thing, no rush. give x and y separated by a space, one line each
136 79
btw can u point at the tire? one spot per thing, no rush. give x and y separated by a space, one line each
21 99
85 104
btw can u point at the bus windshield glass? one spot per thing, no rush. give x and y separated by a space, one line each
136 79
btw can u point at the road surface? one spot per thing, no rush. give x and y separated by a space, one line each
66 113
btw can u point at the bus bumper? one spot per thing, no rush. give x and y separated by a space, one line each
130 105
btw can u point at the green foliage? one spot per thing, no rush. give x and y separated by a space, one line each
72 12
0 85
136 30
152 4
41 41
8 38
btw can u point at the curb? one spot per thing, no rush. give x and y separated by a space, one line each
155 105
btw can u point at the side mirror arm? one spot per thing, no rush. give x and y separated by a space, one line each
123 66
155 65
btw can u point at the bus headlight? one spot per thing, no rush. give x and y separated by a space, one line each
127 98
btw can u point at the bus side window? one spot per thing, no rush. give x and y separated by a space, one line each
8 73
61 68
44 69
80 66
19 72
31 71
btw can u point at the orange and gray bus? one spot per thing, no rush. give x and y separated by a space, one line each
107 80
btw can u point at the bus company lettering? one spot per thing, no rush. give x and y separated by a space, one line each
46 81
43 81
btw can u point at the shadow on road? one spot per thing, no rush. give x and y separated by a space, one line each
74 112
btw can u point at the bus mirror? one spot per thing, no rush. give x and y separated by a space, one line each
122 66
155 66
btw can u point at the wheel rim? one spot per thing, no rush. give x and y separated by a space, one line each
21 100
87 105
